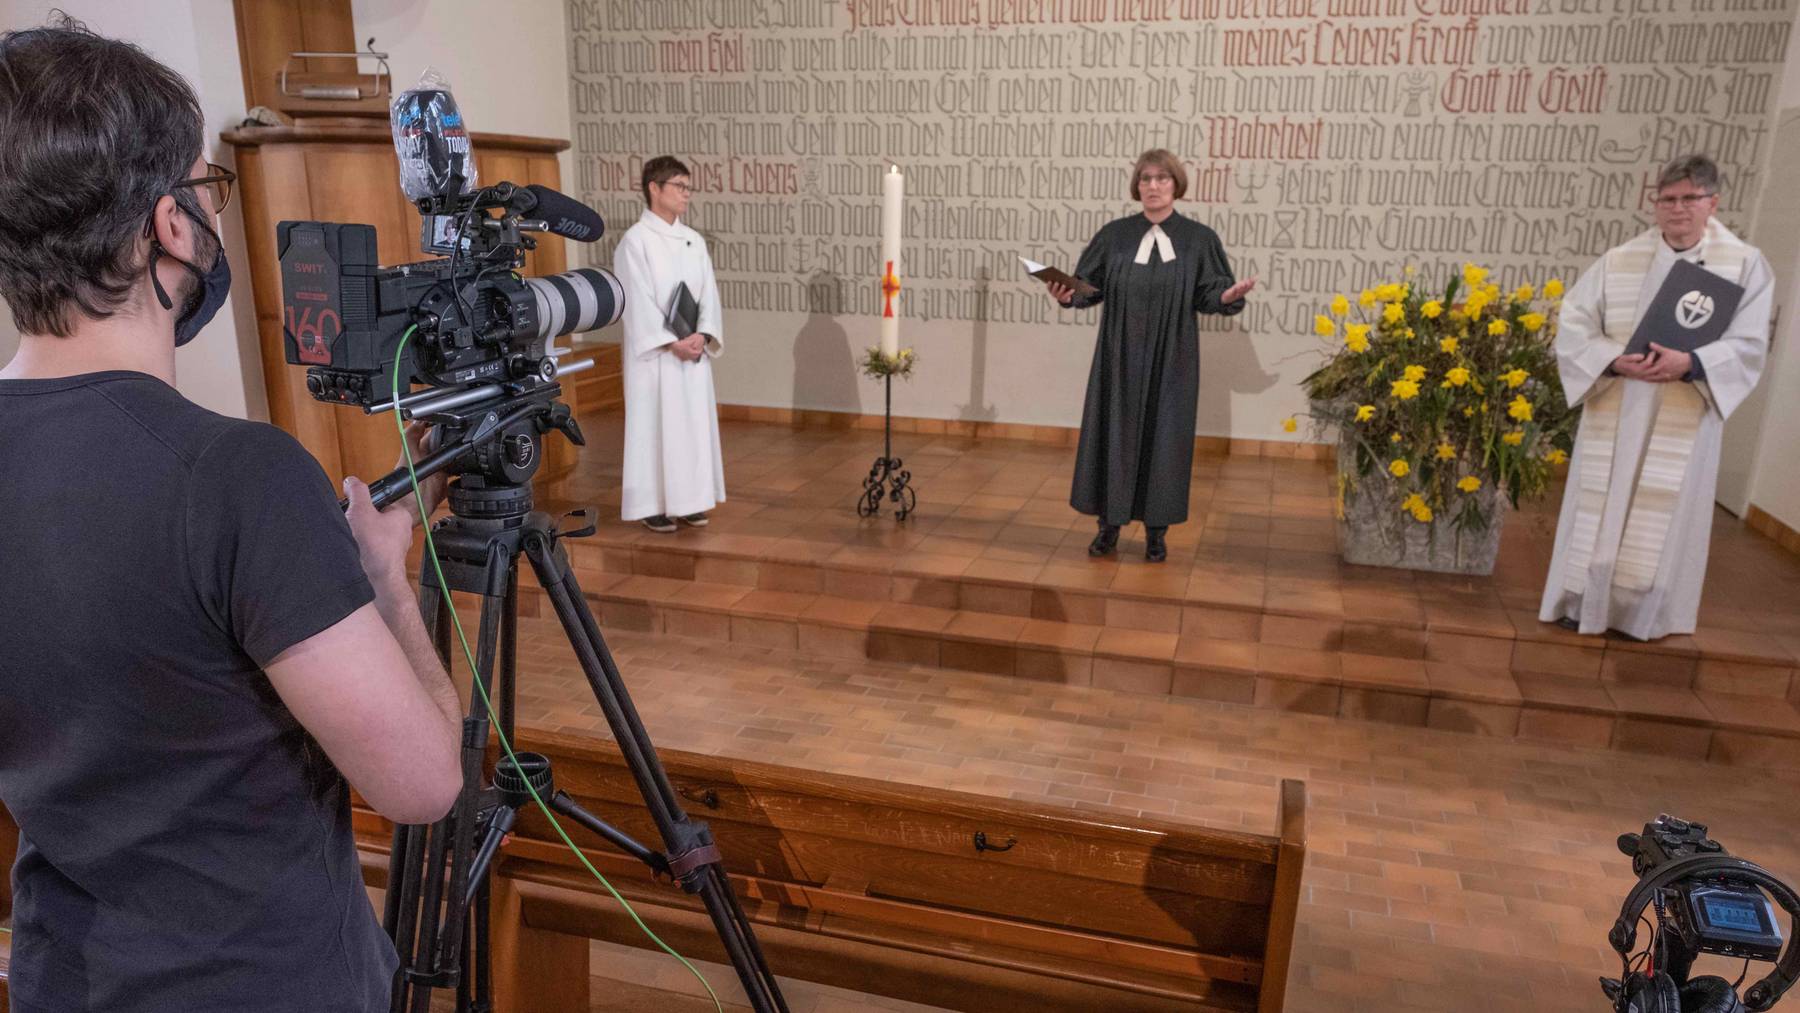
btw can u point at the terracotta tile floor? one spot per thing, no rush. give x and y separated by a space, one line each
1260 535
1445 871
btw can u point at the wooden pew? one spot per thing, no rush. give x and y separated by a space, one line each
881 888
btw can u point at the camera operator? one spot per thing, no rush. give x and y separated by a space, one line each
197 641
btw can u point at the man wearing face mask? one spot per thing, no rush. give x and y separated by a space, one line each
199 647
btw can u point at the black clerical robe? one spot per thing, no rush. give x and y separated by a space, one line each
1137 430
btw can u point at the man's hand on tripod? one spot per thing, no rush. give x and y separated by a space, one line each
384 537
422 439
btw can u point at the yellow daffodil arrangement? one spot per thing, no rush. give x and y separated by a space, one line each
1449 400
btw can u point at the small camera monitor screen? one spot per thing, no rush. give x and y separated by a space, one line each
1737 913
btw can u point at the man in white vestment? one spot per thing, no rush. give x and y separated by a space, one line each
672 467
1636 518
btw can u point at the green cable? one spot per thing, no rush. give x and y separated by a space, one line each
475 674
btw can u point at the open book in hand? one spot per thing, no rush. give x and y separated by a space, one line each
683 317
1692 308
1042 273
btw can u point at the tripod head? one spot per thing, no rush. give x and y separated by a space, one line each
489 439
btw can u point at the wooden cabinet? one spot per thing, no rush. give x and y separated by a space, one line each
347 172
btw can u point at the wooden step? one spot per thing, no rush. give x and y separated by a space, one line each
1736 713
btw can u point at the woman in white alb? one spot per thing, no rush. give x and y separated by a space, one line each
673 470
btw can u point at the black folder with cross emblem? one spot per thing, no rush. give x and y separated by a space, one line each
1693 308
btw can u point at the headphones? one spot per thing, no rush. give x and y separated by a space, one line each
1657 993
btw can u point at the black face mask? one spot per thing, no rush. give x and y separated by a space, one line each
214 286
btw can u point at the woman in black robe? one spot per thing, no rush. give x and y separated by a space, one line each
1152 271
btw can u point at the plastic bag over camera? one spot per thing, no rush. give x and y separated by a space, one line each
431 139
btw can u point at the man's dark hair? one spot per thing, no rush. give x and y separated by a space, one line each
1699 170
95 131
661 169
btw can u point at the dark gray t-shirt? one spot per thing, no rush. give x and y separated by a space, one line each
184 844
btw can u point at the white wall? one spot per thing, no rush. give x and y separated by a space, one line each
221 369
1775 484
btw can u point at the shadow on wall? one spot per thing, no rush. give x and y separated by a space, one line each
824 363
979 408
1228 365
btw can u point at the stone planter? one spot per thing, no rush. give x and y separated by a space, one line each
1374 531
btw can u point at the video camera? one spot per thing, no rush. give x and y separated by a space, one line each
1706 901
473 320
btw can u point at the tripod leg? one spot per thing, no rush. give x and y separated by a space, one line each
400 917
680 836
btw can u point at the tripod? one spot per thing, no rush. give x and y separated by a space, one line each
437 906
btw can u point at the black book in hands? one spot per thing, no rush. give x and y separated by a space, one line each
1042 273
1693 308
683 317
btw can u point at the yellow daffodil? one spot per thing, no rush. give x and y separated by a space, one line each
1356 337
1553 289
1556 456
1469 483
1339 305
1422 514
1448 345
1468 413
1409 333
1456 376
1413 373
1323 327
1405 390
1520 409
1431 310
1496 327
1515 377
1288 424
1393 313
1388 292
1445 452
1365 412
1513 438
1531 322
1394 438
1399 468
1367 298
1473 276
1523 293
1412 502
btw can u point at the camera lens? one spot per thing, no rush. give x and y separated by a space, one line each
581 300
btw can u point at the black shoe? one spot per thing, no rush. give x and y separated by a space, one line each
1105 542
1568 624
660 524
1154 549
694 520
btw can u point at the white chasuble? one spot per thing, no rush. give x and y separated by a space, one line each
672 464
1636 522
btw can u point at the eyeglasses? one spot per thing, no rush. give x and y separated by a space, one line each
683 187
1686 200
217 183
1154 179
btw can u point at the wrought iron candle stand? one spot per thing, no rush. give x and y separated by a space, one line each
888 478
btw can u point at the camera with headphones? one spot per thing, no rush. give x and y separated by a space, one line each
1705 901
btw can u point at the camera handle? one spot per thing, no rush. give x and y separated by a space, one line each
1770 989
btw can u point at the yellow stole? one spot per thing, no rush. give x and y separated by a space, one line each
1662 463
